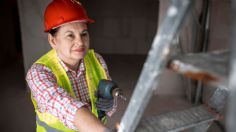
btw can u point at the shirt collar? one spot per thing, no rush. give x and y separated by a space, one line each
67 69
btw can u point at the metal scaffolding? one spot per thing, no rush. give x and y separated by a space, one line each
209 67
155 64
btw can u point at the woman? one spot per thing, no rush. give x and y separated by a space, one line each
64 80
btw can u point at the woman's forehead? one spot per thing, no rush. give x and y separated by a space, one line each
76 25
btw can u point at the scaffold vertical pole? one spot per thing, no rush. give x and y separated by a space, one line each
231 114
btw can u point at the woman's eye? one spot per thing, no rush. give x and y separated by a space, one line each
70 36
84 34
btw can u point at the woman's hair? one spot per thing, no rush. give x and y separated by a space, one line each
53 31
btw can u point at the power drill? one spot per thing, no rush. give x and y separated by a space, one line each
108 89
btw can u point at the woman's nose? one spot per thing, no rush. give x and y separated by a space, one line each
79 40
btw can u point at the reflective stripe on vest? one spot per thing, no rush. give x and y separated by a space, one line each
42 126
94 73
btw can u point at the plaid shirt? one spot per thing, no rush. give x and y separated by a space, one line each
52 98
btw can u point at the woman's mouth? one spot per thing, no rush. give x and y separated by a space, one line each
79 50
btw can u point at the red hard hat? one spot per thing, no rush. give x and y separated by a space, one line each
59 12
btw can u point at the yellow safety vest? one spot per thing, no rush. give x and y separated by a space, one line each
94 73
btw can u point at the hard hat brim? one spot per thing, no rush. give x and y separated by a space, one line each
88 20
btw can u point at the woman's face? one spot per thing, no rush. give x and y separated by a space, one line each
71 42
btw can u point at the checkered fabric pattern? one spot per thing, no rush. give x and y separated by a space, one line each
55 100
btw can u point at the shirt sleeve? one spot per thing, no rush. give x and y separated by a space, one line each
50 97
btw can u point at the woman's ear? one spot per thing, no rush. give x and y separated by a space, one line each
51 41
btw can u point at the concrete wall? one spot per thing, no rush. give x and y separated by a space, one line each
34 40
122 27
221 24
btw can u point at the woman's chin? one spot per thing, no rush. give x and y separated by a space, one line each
79 56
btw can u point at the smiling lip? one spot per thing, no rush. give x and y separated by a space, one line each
80 50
